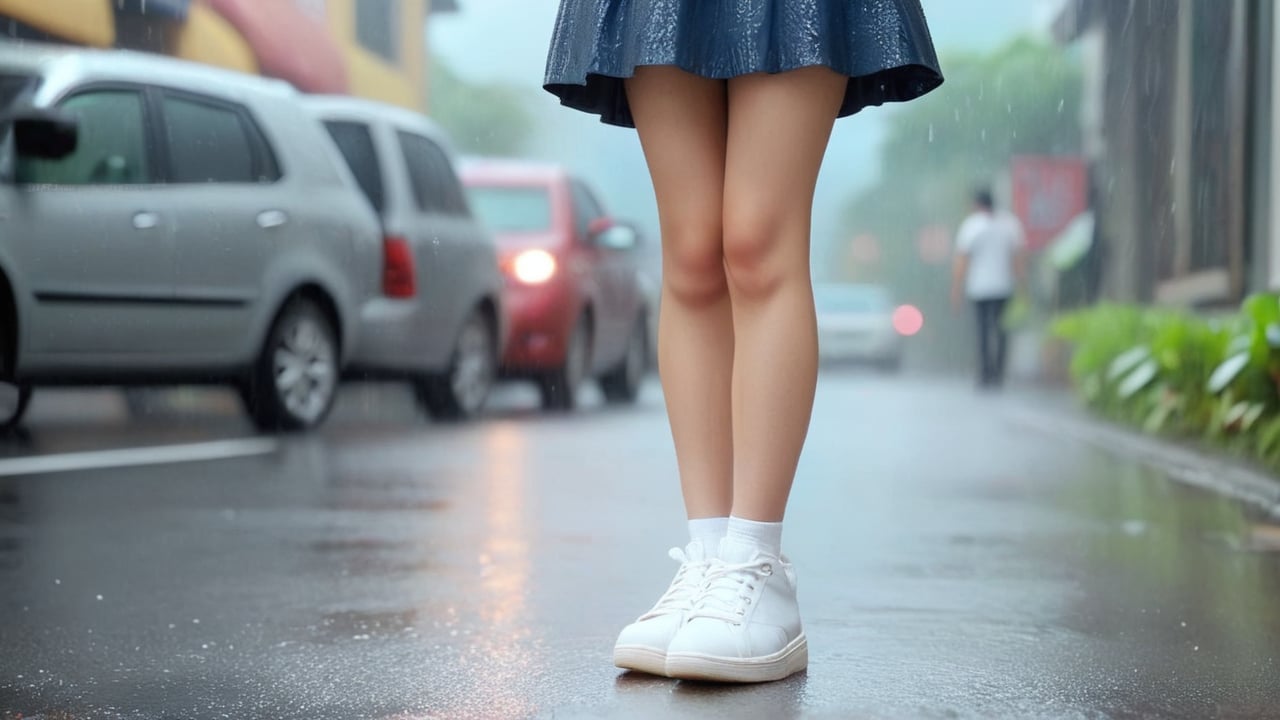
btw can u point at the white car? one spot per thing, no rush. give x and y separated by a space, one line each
856 324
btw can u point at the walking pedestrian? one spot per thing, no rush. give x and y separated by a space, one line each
990 262
734 103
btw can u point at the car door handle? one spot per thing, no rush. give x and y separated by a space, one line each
268 219
146 221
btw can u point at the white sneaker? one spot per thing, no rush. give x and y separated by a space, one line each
642 645
745 624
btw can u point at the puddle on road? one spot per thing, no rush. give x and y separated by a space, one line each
1182 584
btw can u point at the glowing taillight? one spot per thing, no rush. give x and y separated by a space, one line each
398 277
534 267
908 320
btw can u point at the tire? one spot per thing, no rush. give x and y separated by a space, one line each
14 401
622 384
295 380
460 393
560 387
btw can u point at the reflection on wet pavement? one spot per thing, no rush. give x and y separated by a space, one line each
948 569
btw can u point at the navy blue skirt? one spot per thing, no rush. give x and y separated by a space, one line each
883 46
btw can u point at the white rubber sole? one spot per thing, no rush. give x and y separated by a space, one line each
640 658
786 662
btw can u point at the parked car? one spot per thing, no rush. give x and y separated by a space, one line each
574 300
439 321
165 222
856 324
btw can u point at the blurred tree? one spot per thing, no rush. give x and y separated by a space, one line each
1023 98
482 119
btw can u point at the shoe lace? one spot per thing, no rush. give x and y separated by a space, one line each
728 589
684 586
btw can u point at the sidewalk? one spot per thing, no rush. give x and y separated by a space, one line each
1058 413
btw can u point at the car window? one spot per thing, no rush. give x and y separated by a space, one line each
13 87
355 141
210 142
112 148
512 209
585 208
435 185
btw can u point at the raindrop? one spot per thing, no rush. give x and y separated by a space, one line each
172 626
1184 623
1196 648
930 132
195 621
204 646
56 581
1062 104
99 597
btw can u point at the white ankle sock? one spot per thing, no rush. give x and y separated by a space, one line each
709 531
766 536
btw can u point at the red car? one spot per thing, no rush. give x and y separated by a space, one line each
574 296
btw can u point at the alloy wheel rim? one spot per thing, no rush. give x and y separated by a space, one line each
304 370
473 371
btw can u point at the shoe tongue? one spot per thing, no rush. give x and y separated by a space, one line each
736 551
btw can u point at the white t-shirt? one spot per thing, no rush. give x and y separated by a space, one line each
991 240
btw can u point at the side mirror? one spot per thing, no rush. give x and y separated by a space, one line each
618 237
44 134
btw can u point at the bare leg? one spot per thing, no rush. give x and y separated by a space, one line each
778 131
681 119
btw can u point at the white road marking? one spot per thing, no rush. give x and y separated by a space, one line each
136 457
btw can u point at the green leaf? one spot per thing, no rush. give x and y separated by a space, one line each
1263 309
1127 361
1273 335
1252 415
1227 372
1138 379
1240 344
1158 418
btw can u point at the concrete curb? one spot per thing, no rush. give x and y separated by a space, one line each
1190 467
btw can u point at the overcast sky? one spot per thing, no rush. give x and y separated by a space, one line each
506 40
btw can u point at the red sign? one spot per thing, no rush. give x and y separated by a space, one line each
1048 193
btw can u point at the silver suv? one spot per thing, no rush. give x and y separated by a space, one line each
167 222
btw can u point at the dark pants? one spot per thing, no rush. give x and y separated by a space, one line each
991 340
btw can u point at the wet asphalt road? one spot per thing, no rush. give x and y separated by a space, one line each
952 564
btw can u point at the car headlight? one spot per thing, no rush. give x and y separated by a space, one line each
534 267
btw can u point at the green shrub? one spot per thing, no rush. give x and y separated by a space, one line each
1180 374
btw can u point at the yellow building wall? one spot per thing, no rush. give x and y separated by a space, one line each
89 22
207 38
369 74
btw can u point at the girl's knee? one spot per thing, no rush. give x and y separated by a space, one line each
755 255
693 267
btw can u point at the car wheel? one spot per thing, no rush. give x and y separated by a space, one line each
461 393
560 387
14 399
622 384
295 380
